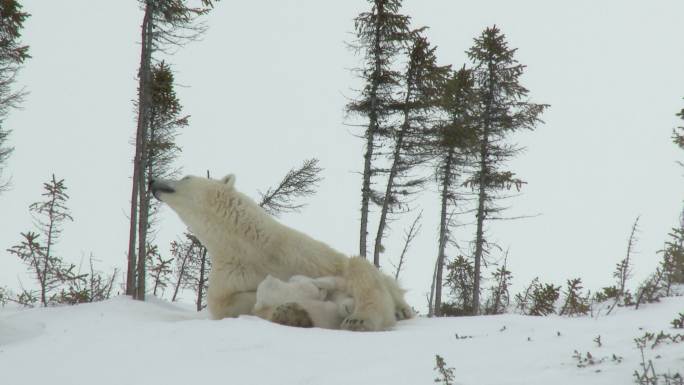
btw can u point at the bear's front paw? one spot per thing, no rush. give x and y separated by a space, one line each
404 312
292 314
359 324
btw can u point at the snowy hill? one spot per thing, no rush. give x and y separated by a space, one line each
121 341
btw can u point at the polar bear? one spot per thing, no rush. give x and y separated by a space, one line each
322 302
246 244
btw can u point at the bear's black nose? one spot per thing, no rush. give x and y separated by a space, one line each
160 186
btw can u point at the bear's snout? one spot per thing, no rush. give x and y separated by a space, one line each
160 186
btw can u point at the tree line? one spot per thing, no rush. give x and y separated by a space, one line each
457 121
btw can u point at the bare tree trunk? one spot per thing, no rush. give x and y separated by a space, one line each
46 257
144 101
200 289
431 307
180 277
386 201
370 140
410 235
479 234
443 230
142 232
366 191
482 193
624 266
396 159
139 139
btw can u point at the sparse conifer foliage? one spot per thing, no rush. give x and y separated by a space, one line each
446 374
503 109
298 183
460 282
422 82
12 55
576 303
499 295
39 254
381 35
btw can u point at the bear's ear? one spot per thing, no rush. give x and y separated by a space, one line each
229 180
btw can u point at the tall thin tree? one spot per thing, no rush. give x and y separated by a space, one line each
422 81
504 109
380 35
12 56
454 139
167 24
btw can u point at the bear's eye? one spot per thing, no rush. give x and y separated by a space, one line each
186 178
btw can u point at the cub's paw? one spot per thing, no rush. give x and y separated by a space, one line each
292 314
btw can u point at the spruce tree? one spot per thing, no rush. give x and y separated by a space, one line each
159 269
460 280
422 81
165 119
678 133
672 262
500 296
12 56
453 140
503 110
167 24
575 302
381 34
49 215
623 270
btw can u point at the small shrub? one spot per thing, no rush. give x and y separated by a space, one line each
575 302
585 360
446 374
607 293
452 309
678 323
544 298
647 374
657 339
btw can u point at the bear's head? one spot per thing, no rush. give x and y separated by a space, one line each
194 198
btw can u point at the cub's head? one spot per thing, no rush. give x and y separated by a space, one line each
192 197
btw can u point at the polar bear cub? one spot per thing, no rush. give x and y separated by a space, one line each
320 302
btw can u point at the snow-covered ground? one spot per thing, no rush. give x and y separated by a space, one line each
121 341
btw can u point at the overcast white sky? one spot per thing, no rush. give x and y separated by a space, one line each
266 88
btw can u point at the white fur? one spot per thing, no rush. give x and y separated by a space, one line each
246 244
323 298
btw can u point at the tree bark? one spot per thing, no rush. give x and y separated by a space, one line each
482 193
200 289
388 193
135 279
396 158
370 138
180 277
46 257
443 229
431 307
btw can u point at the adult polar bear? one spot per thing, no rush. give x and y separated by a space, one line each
246 244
